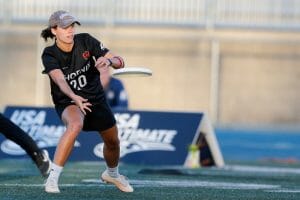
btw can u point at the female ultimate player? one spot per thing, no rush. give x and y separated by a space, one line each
73 64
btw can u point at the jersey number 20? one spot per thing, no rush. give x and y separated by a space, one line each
79 83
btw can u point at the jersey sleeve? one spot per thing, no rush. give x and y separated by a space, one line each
49 61
97 47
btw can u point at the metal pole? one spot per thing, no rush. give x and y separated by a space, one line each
39 80
214 85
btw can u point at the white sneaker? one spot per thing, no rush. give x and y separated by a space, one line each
121 182
51 186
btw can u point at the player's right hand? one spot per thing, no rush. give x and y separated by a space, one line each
82 103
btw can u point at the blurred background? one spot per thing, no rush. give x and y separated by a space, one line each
236 60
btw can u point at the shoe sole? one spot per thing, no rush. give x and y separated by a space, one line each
51 191
118 186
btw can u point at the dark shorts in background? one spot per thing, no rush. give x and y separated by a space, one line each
100 119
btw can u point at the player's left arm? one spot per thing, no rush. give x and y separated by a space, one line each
110 59
116 61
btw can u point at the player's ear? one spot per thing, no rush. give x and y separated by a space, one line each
53 31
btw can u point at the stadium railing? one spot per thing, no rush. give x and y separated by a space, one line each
282 14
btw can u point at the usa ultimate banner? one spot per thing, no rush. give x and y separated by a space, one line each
150 138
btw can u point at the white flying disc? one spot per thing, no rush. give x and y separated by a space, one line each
132 71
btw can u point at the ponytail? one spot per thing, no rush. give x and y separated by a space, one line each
46 33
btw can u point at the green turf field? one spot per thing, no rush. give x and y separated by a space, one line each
19 179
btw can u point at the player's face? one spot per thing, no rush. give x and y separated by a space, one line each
65 35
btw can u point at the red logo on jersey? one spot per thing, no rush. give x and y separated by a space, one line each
86 55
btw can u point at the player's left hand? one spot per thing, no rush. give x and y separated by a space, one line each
102 62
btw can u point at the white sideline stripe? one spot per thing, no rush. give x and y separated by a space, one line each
42 185
183 183
238 168
190 183
284 191
167 183
262 169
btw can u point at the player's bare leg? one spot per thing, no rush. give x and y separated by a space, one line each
73 119
111 152
111 149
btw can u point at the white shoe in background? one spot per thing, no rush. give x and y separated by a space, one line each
43 162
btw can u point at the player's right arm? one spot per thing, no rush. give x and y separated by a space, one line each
58 77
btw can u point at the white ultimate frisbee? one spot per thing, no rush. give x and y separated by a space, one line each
132 71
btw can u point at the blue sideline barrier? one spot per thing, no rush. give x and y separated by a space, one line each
152 138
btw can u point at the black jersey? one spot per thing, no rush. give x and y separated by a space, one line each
78 67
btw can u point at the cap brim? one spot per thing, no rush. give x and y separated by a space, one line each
69 23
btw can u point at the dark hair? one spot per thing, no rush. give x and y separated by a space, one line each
46 33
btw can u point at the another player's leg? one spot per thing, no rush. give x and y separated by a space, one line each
14 133
73 119
111 153
43 162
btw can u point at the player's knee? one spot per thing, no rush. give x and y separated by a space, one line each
75 127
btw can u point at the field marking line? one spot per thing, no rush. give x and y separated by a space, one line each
262 169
